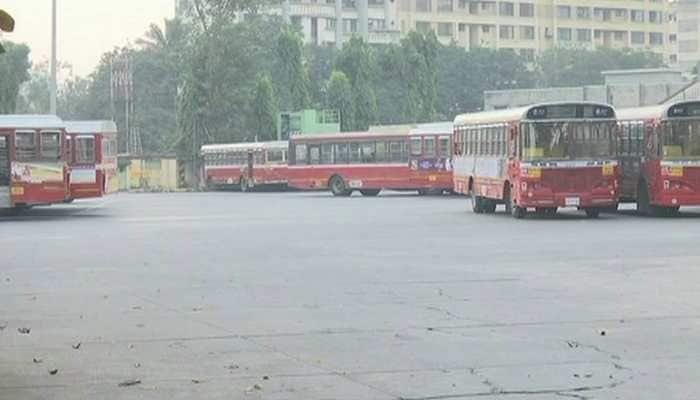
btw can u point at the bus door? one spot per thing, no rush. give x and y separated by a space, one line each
5 200
83 177
630 149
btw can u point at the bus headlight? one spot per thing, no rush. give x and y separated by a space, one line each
532 172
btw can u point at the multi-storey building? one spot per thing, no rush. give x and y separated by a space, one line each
688 25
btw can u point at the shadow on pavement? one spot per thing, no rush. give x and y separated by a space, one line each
48 213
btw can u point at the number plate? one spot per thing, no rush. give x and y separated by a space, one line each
355 184
17 191
572 201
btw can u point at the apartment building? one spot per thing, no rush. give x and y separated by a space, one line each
687 13
529 26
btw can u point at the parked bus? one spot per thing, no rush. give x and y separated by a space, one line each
91 153
659 150
417 159
245 165
33 169
540 157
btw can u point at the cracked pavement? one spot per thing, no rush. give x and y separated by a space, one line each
305 296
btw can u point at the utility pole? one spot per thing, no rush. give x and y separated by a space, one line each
53 84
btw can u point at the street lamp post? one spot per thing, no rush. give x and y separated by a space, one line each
53 85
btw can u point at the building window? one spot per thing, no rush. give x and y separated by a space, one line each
619 36
604 14
423 27
527 10
564 34
506 32
654 17
330 24
637 37
583 35
463 4
656 38
583 13
423 5
527 32
376 24
485 28
637 15
506 9
564 11
445 6
672 38
621 13
349 25
673 58
462 27
445 29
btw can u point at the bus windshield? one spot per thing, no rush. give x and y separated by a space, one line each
681 139
568 140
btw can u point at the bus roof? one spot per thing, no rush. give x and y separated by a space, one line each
653 112
350 135
91 127
254 146
435 128
512 114
31 121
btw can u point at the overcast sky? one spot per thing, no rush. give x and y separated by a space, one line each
86 28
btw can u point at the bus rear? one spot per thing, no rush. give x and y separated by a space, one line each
32 161
91 153
430 158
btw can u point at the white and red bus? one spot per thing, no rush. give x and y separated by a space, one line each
417 159
33 169
659 150
91 153
539 157
245 165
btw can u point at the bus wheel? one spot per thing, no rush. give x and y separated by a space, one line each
370 192
592 212
489 206
244 184
477 204
422 192
518 212
550 211
338 187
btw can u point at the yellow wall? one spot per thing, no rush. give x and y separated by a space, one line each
149 174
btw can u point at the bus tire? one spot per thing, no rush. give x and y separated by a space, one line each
592 212
477 204
422 192
370 192
244 184
338 187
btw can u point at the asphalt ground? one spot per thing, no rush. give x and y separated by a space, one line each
305 296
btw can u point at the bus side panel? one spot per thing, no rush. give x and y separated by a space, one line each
463 173
38 183
387 176
489 177
270 174
224 175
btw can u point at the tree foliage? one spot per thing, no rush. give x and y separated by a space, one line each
14 70
264 110
355 60
340 97
292 78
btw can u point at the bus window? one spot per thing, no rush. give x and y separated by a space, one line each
416 148
314 154
381 153
682 139
50 146
368 152
85 150
342 155
429 147
326 153
444 146
275 156
25 145
300 154
355 156
397 151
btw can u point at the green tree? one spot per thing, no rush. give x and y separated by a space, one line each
340 97
418 71
578 66
14 70
319 61
356 62
292 78
264 110
34 93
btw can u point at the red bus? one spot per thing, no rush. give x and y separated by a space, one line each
540 157
368 162
33 170
245 165
659 150
91 153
